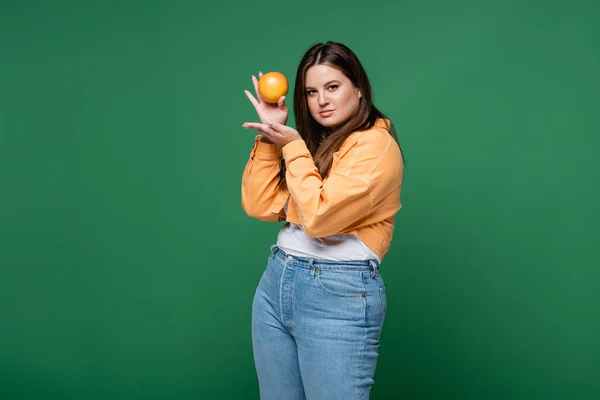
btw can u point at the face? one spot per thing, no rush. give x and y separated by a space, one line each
332 98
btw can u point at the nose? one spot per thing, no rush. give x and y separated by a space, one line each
322 100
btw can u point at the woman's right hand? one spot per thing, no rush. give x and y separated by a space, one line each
266 111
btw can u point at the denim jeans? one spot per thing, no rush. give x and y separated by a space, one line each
316 327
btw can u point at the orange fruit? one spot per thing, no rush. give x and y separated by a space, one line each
272 86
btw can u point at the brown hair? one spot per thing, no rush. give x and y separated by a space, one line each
323 142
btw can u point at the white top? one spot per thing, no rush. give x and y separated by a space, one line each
294 240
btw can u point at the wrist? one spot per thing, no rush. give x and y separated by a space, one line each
266 149
291 141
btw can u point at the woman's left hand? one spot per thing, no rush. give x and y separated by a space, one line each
275 132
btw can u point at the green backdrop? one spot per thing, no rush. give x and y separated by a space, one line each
128 267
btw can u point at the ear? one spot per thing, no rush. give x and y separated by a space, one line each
359 94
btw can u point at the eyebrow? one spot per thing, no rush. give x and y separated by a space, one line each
335 80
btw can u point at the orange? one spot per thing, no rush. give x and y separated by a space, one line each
272 86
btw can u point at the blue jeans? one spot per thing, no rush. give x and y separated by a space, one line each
316 326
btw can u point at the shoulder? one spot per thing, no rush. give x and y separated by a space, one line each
375 141
372 156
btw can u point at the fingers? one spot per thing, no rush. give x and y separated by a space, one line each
274 132
252 99
280 128
262 128
255 81
284 131
280 103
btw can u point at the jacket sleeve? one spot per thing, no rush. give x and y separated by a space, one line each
260 192
358 183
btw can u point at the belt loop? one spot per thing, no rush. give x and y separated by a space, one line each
312 268
274 248
375 268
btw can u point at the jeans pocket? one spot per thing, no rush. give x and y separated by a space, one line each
341 282
383 299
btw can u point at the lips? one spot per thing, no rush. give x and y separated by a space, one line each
326 113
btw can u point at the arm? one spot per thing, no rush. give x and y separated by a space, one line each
260 193
366 174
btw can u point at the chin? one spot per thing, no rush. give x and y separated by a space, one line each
327 122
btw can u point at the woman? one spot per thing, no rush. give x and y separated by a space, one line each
319 308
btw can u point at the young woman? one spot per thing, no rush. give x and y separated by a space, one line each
320 304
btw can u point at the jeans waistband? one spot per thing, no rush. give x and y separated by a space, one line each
306 262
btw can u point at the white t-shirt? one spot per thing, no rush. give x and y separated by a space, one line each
294 240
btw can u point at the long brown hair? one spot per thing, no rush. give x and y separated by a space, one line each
323 142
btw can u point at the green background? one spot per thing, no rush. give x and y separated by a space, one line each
128 267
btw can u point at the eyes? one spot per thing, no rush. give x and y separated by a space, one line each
330 88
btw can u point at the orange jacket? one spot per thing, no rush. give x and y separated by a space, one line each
360 196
